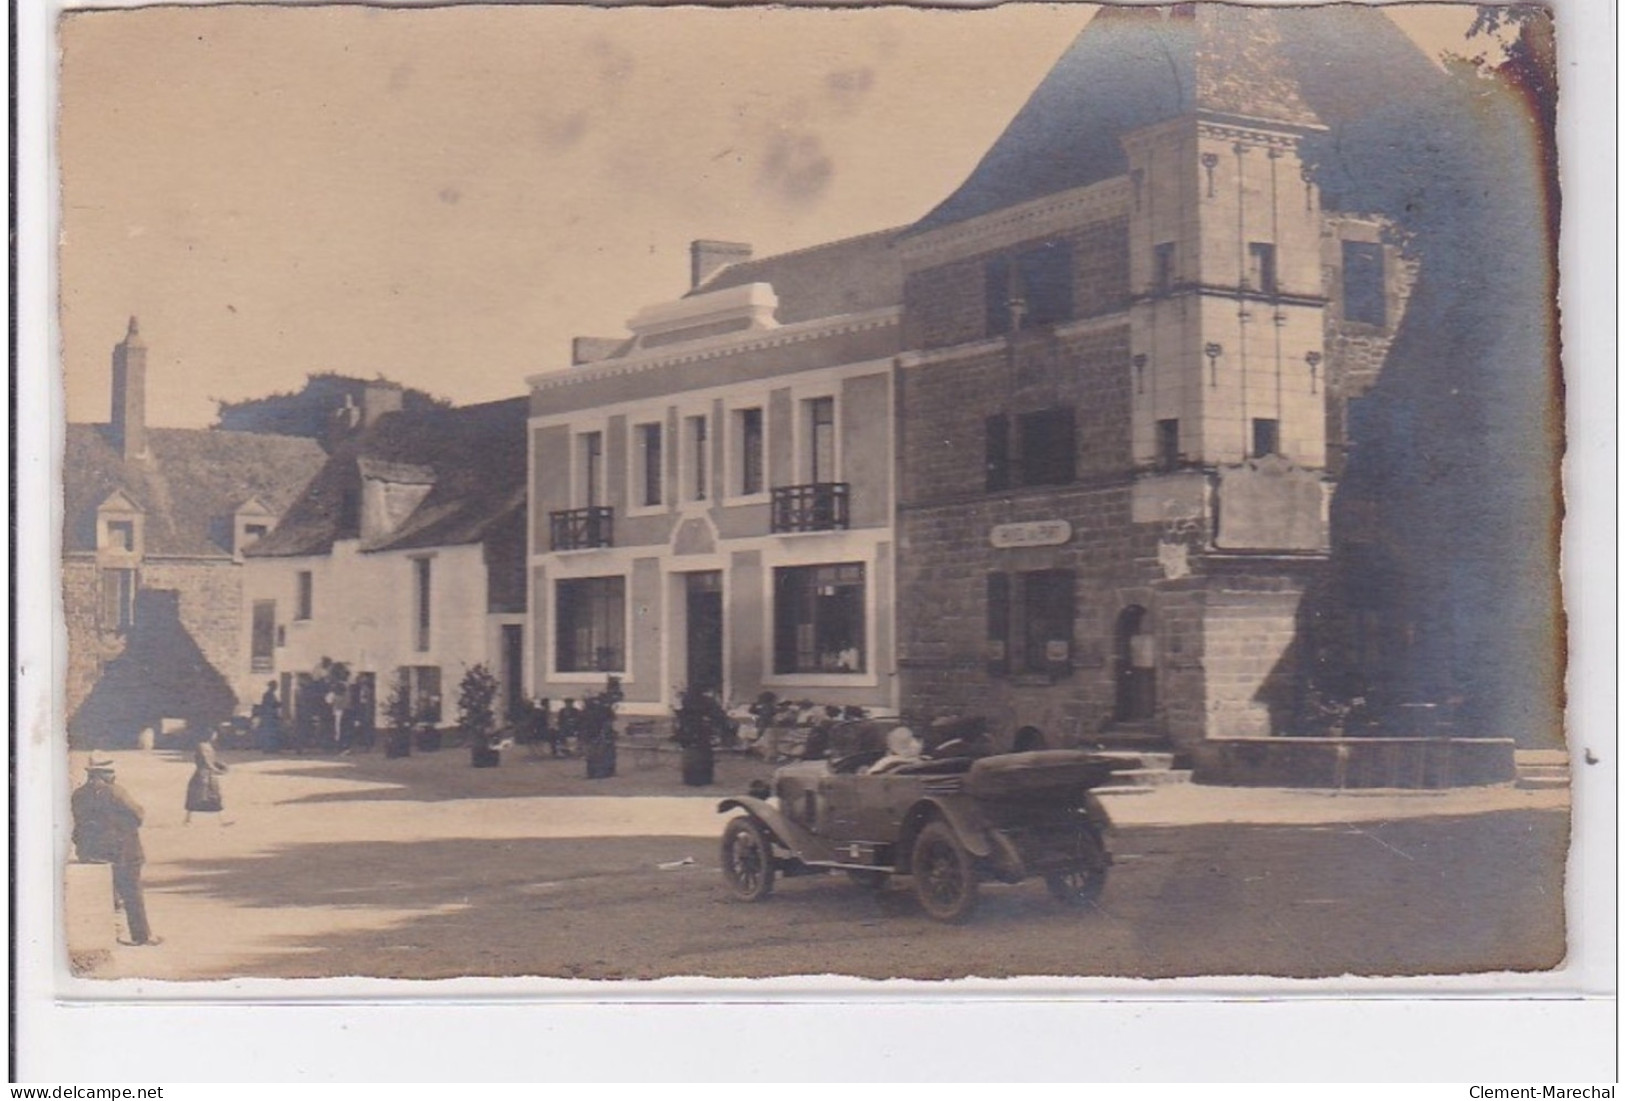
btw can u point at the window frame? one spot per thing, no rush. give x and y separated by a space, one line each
585 490
557 624
118 588
1023 445
304 596
782 630
804 437
1010 619
734 452
422 603
1265 428
266 662
1263 273
637 465
694 458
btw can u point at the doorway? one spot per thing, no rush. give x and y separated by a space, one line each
513 669
1136 667
704 635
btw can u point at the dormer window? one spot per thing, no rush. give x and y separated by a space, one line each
120 535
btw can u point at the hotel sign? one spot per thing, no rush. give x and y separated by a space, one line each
1037 533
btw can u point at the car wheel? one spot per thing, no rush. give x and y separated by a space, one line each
871 881
944 877
747 859
1077 888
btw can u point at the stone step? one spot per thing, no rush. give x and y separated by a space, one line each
1542 783
1147 778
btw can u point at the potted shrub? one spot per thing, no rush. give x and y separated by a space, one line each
398 709
476 715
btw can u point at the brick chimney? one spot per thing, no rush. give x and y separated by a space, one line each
706 258
129 413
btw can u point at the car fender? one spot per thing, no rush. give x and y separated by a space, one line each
784 831
1098 814
965 821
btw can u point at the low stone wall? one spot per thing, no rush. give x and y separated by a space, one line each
1355 762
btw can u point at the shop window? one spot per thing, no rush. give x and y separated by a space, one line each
1029 622
1030 288
118 599
819 619
647 465
749 451
1364 290
305 599
590 625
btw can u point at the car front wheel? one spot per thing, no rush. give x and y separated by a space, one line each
944 877
747 859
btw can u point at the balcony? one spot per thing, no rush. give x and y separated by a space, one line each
583 528
819 506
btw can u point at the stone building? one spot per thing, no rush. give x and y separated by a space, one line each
155 523
1179 304
403 559
712 498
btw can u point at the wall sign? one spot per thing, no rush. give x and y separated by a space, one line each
1037 533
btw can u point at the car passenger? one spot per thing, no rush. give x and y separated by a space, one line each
903 747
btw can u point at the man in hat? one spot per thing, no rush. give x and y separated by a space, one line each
107 830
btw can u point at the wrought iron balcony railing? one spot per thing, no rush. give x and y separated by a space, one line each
818 506
581 528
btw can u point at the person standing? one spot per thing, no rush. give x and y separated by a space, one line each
270 716
107 830
203 789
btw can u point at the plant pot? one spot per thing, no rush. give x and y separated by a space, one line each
398 744
485 756
699 766
428 739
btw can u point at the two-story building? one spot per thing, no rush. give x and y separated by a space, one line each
712 498
403 560
155 523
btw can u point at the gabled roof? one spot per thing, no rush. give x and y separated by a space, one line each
852 275
188 487
474 455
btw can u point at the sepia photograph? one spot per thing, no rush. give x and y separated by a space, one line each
598 495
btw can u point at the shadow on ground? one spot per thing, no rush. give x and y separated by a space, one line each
1438 896
447 775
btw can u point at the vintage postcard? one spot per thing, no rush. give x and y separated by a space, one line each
1036 493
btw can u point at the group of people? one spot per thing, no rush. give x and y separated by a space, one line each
586 730
332 713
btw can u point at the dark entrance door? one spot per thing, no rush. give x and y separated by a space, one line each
1136 667
705 631
513 668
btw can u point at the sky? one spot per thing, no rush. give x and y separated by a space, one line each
446 196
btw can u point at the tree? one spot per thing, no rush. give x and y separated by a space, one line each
310 410
476 712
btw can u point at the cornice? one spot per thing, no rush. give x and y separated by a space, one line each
1086 326
717 348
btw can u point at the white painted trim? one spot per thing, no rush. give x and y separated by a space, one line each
729 344
557 676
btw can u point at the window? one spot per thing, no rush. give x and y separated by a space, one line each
1261 266
1162 268
121 535
696 468
251 532
118 599
1364 293
820 421
422 603
591 625
421 684
1048 447
1033 287
262 637
998 452
749 452
305 600
1168 444
1266 436
590 471
1029 622
647 465
818 616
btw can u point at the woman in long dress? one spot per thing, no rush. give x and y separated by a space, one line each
203 790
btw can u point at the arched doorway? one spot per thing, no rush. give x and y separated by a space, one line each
1135 666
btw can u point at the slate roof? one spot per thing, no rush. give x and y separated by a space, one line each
189 486
477 454
851 275
1132 67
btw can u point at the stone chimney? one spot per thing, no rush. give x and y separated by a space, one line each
379 397
129 413
706 258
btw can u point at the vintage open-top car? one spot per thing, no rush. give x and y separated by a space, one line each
949 821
